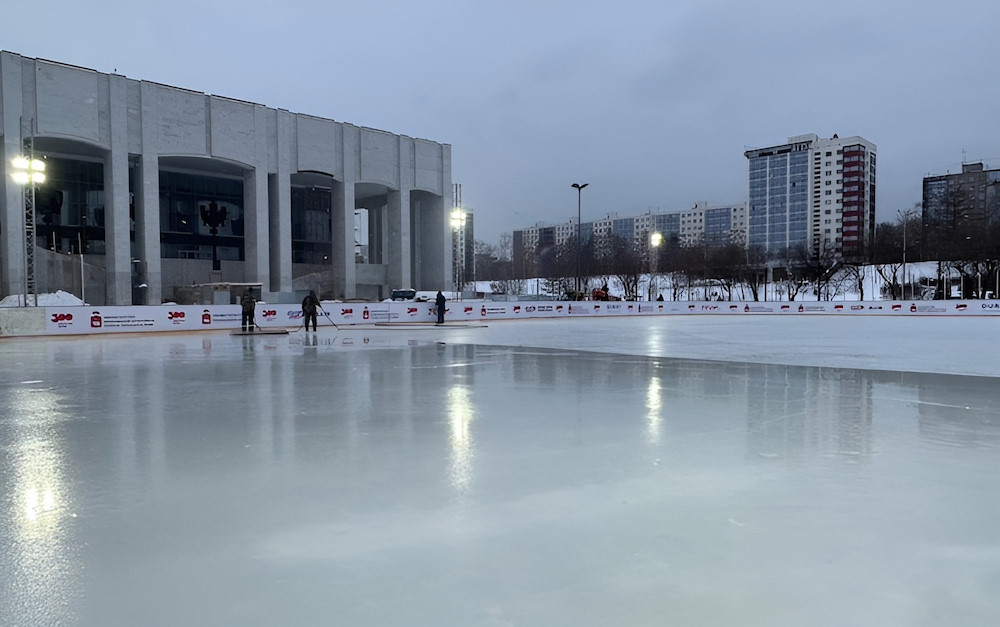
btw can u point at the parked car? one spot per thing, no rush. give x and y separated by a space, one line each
403 294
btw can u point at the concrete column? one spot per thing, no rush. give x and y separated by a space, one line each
400 218
12 216
256 210
118 251
342 259
281 208
147 212
397 254
446 271
342 216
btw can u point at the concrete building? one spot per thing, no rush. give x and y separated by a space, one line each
812 195
715 226
159 187
967 199
961 214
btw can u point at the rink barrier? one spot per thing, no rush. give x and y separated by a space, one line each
86 320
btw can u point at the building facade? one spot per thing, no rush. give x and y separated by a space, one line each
969 198
151 187
961 213
702 224
812 196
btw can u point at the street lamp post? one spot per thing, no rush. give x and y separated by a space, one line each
579 189
28 172
655 239
213 216
905 216
458 217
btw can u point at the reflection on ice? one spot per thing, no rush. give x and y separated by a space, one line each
408 478
460 414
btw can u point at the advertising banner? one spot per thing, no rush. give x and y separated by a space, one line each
72 320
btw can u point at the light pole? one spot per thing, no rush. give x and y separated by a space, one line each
655 239
579 193
458 245
904 217
27 173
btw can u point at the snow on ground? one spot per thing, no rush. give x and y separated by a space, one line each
56 299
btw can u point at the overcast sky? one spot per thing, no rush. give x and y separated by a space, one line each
651 103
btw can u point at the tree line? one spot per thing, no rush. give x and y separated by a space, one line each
967 251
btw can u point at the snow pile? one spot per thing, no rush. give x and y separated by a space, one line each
58 299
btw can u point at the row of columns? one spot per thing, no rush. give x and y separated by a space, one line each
267 196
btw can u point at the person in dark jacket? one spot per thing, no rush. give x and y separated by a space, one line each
439 301
309 306
249 303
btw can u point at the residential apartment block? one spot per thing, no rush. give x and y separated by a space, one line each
813 195
969 198
712 225
961 213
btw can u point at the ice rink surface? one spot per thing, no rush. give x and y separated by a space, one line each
677 470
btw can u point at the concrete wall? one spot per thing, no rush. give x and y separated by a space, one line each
78 111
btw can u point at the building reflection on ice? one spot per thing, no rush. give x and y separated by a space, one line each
274 424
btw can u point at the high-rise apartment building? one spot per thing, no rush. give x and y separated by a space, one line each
812 196
969 198
961 213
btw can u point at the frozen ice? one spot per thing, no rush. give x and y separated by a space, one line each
688 470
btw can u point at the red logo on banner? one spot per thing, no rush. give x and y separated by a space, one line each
801 308
206 317
365 314
467 310
61 317
347 312
96 322
269 313
483 311
913 307
517 309
838 307
896 307
961 306
411 310
175 315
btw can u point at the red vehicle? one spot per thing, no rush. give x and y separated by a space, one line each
599 294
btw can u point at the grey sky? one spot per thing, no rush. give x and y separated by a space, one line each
651 103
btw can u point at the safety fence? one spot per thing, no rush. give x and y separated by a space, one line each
77 320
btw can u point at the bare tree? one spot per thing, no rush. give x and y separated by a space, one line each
629 264
753 270
857 273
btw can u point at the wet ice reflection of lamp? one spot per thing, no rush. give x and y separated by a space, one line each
42 559
654 405
28 172
460 414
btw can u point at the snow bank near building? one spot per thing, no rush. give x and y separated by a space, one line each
58 299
